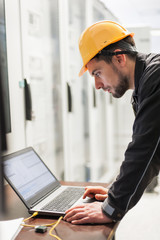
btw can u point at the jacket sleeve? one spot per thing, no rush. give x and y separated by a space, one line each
142 157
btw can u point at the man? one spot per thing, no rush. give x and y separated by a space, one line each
109 54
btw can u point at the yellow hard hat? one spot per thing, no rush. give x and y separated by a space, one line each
98 36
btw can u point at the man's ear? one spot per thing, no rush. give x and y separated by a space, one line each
119 59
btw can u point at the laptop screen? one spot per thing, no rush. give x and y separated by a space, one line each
28 175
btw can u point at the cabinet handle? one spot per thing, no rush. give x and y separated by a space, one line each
94 98
28 101
69 98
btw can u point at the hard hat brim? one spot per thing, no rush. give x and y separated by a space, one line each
82 71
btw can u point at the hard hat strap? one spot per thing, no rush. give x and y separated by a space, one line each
125 47
108 53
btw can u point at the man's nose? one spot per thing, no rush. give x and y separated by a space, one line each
98 84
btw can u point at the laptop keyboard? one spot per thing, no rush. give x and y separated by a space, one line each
65 199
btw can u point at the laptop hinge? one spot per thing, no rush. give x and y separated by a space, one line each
46 195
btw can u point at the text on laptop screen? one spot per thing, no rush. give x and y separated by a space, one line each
28 174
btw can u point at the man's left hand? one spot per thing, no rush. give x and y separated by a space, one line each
87 213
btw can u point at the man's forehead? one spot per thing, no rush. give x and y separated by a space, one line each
94 65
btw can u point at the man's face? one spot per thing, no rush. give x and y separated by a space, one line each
108 77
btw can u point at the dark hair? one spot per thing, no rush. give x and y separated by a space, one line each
127 44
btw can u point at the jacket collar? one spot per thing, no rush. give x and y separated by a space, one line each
139 69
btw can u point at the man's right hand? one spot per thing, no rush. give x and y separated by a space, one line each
97 192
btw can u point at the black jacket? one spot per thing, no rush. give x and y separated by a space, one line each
142 157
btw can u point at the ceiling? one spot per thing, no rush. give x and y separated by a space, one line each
136 12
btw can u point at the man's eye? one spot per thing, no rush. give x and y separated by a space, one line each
97 74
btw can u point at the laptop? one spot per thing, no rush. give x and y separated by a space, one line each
36 185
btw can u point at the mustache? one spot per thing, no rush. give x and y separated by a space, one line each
106 89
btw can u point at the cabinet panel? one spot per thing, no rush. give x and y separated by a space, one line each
15 139
41 68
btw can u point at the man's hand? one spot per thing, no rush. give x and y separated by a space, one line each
87 213
99 193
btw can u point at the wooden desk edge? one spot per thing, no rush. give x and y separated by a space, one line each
112 233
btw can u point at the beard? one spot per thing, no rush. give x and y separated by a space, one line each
123 85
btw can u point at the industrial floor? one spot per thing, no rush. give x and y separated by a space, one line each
143 221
